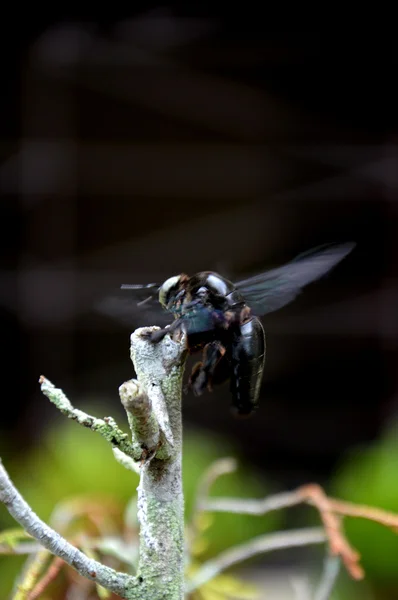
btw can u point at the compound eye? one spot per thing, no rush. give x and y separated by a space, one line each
167 289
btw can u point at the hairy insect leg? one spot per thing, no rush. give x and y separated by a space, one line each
202 373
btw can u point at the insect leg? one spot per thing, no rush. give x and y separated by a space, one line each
202 373
157 336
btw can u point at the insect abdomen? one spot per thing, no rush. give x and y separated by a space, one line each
247 365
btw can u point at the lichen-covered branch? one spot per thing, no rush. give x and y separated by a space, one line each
159 368
53 542
106 427
153 405
126 461
143 423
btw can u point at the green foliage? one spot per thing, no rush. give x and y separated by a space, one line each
72 461
223 530
348 589
225 587
369 476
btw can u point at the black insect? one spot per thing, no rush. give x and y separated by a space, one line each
221 319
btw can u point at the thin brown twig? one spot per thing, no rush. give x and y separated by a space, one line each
338 543
330 509
349 509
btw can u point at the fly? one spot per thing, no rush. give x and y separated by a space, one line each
221 319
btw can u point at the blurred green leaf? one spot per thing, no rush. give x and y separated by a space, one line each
11 537
225 529
369 476
72 461
225 587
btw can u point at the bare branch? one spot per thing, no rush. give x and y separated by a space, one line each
259 545
338 543
53 542
328 508
17 541
220 467
349 509
21 548
251 507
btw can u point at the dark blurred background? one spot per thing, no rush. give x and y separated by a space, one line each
172 139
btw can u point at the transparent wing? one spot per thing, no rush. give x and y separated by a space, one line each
135 304
139 306
275 288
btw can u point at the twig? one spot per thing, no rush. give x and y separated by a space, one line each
53 542
328 509
338 544
17 541
12 536
106 427
259 545
218 468
45 581
329 576
33 569
249 506
349 509
21 548
126 461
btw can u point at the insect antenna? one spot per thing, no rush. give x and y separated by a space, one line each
137 286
